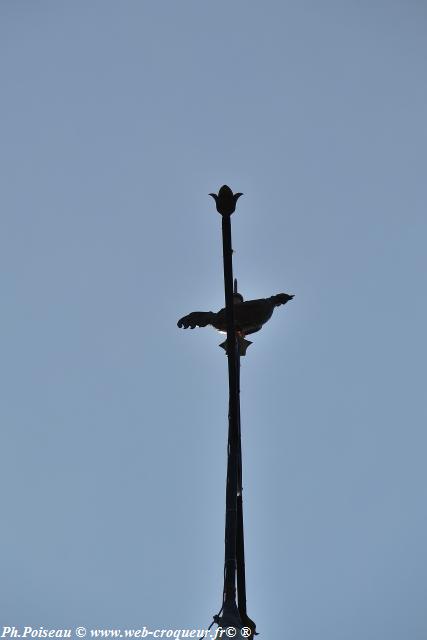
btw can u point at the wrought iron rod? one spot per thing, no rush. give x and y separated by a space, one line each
230 610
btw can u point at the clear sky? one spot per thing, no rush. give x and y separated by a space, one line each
117 120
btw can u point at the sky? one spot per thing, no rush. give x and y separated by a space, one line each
117 119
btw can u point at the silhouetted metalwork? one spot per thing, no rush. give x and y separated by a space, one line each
242 344
238 319
225 201
249 316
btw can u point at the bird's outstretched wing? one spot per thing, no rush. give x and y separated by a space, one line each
196 319
281 298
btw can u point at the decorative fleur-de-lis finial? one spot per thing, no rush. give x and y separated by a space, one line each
225 200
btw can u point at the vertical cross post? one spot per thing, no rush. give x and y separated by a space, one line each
226 205
230 615
233 614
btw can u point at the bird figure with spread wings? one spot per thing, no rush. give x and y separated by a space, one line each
249 316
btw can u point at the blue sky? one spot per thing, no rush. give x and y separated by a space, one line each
117 119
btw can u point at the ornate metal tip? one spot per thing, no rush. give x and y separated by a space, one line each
243 345
225 200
